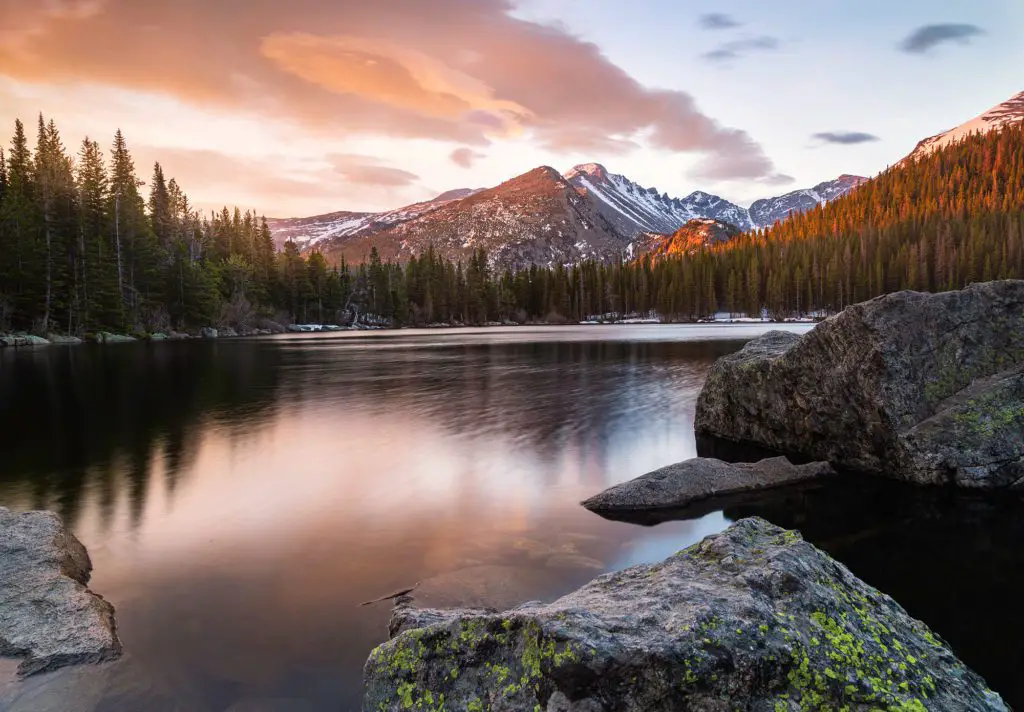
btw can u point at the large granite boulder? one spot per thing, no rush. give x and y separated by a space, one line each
923 387
691 481
753 619
47 615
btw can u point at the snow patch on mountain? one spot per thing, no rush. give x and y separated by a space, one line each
999 116
311 231
634 209
768 211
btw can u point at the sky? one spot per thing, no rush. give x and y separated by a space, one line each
314 106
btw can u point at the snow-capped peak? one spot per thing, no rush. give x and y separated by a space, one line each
595 171
1000 115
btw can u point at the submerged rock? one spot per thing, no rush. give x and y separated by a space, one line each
701 478
753 618
923 387
47 615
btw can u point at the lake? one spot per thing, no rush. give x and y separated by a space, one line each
241 498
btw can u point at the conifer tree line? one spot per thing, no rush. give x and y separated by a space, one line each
83 247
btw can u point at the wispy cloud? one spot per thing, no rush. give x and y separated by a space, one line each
845 137
368 170
465 157
718 21
928 37
733 50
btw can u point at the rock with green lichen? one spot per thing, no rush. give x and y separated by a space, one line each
923 387
751 619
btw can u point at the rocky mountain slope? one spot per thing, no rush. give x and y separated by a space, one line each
768 211
1008 112
307 232
536 218
633 209
695 234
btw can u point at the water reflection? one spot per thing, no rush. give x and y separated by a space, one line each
240 499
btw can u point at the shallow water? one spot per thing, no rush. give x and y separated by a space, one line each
241 498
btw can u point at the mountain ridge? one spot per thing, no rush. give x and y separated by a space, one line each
620 210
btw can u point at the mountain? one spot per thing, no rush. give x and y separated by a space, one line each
307 232
999 116
768 211
696 233
536 218
633 209
586 213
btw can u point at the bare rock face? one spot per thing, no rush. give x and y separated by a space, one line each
47 615
701 478
922 387
752 619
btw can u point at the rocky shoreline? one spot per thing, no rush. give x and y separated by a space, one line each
22 339
48 616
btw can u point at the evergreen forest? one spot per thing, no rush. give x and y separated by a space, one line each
86 245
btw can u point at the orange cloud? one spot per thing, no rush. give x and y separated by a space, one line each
367 170
271 184
465 71
465 157
390 74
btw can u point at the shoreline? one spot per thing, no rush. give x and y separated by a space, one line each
16 340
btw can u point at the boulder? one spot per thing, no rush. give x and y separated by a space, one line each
158 336
270 326
47 615
227 333
691 481
922 387
63 340
753 619
105 337
208 332
22 339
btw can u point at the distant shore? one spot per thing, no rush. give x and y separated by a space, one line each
23 339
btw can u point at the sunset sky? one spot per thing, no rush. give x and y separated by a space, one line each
309 106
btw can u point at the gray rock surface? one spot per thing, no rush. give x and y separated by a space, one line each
923 387
752 619
105 337
684 483
208 332
47 615
22 339
63 340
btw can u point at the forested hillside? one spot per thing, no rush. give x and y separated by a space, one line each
81 249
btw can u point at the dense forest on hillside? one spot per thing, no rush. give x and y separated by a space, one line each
81 250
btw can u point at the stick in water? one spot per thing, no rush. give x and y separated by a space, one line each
396 594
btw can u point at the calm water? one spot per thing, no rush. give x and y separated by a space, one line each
241 498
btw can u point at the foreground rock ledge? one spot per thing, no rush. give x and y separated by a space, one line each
924 387
47 615
692 481
753 619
